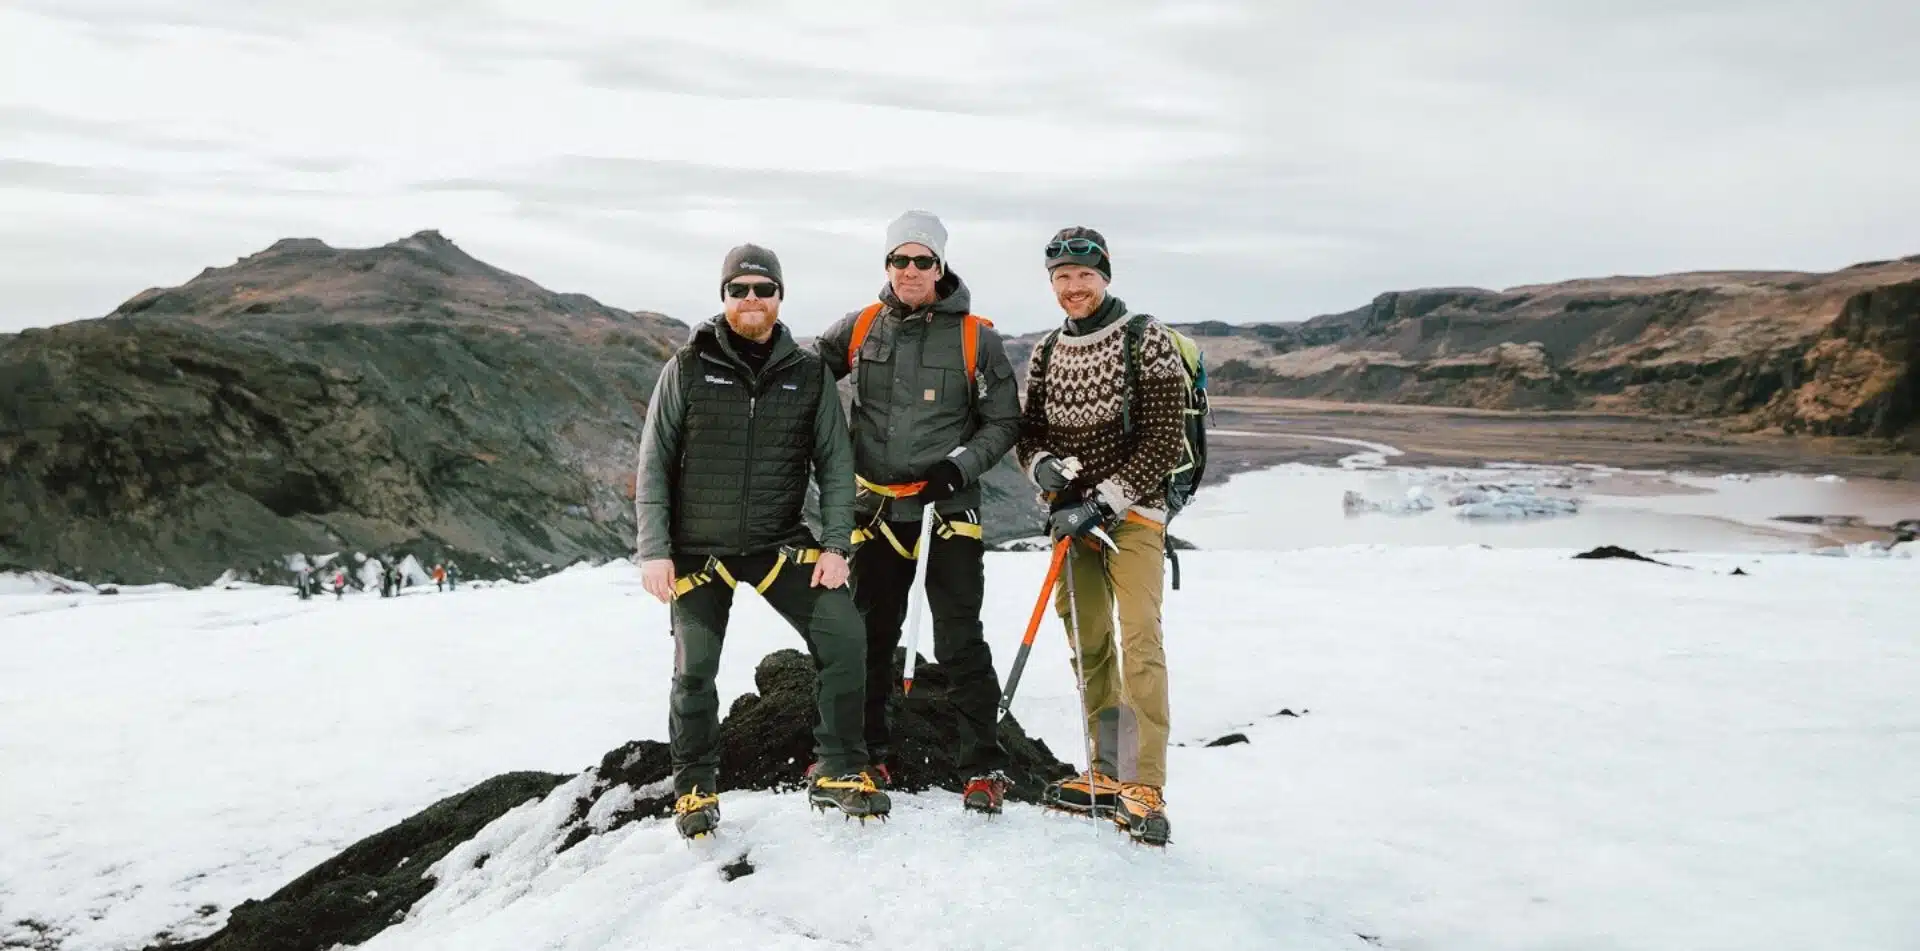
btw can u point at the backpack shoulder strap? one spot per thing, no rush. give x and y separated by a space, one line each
970 342
1136 331
862 324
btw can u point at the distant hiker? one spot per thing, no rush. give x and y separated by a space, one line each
934 402
1101 446
339 584
738 418
300 582
439 578
453 576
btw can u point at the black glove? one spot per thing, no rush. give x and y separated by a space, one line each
1073 521
944 480
1053 473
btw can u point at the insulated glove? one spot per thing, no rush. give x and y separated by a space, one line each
943 481
1054 473
1073 521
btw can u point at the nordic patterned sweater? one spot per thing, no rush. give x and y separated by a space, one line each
1073 411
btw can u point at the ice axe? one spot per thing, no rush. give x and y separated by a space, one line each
917 595
1033 623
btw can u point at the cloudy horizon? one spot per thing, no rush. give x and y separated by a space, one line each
1249 161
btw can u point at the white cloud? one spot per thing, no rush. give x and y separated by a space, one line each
619 149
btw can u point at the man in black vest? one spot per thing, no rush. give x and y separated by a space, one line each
738 419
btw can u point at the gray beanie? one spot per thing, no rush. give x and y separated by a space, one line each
918 227
750 259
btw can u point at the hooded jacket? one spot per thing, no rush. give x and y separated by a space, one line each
912 406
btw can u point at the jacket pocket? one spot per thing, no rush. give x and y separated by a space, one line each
874 398
943 370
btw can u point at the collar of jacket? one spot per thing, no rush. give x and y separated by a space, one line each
951 297
1110 310
711 338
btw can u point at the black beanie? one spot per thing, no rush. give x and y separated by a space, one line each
750 259
1097 260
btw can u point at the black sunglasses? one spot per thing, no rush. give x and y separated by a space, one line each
1073 246
925 262
738 290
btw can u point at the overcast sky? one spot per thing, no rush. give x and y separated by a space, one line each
1259 160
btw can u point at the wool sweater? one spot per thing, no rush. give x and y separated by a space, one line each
1073 408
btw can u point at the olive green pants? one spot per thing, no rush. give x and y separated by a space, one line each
1126 698
824 617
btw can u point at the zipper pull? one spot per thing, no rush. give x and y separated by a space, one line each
750 401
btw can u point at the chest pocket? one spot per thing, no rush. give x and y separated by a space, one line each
876 364
944 367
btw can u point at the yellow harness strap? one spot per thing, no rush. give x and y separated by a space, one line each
943 527
715 568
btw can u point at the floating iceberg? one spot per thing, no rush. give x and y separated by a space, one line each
1416 501
1512 503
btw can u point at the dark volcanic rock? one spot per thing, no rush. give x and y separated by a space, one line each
766 742
1615 551
352 896
1231 739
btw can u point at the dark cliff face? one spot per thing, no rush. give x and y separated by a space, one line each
404 398
1827 354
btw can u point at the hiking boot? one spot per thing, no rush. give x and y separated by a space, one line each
854 794
1143 814
986 793
878 772
696 815
1090 793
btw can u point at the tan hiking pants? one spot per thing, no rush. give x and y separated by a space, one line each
1126 699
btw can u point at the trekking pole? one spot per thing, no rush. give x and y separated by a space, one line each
917 595
1080 672
1033 624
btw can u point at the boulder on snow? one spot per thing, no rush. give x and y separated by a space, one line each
1615 551
1230 739
766 742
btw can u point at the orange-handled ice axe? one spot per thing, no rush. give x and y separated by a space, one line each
1033 623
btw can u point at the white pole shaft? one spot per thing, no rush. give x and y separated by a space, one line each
917 595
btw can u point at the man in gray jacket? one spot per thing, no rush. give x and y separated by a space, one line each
935 406
740 417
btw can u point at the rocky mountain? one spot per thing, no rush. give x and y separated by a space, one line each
405 398
1823 354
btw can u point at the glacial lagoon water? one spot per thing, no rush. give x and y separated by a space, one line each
1299 506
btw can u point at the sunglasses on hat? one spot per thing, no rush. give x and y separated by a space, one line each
925 262
764 289
1057 248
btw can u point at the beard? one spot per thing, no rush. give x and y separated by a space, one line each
752 324
1079 303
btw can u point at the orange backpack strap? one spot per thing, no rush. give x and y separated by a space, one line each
970 342
861 324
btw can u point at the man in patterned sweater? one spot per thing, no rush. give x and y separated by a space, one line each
1101 452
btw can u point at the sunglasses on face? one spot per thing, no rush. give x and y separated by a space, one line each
925 262
1073 246
765 289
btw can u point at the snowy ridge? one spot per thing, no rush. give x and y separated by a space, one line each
933 877
1508 750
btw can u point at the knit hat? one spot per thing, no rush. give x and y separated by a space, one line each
750 259
918 227
1096 258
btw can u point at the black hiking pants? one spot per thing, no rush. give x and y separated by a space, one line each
824 617
956 585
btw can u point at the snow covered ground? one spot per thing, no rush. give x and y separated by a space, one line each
1502 749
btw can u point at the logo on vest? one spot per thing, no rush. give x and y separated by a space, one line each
789 386
723 381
